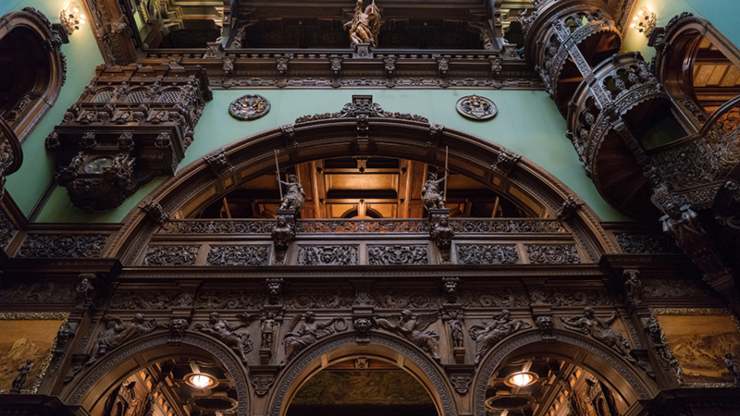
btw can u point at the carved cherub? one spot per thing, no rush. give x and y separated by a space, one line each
415 328
600 329
306 331
501 326
116 332
228 334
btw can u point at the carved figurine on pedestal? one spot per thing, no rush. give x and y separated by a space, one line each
365 24
415 328
431 195
294 196
228 334
20 380
486 337
632 286
306 332
600 329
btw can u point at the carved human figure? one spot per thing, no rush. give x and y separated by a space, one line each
19 382
600 329
294 196
431 194
633 286
501 326
306 332
415 328
267 329
455 321
228 334
365 24
116 332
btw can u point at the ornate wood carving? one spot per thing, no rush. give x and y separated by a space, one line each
63 245
328 255
486 254
239 255
553 254
398 254
131 123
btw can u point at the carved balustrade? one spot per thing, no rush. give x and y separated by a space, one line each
617 87
132 123
361 242
566 39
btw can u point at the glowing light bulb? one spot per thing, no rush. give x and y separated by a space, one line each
521 379
200 381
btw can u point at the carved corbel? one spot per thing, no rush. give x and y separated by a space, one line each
336 70
440 231
389 66
568 209
155 212
460 376
177 327
262 378
219 164
283 233
505 162
451 288
274 288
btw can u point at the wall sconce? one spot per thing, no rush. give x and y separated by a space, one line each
72 18
644 21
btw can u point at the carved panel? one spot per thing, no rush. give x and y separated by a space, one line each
229 298
44 292
506 226
63 245
241 255
635 243
671 288
563 297
498 298
219 227
328 255
486 254
363 226
553 254
150 300
397 254
170 255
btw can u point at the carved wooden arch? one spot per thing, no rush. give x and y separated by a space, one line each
112 366
338 137
47 37
416 362
674 61
631 382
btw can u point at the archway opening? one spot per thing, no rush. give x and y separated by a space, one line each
550 385
362 188
166 382
362 385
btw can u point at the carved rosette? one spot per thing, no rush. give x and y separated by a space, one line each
122 133
249 107
476 108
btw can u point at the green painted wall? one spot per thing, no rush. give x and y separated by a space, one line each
28 185
724 14
528 123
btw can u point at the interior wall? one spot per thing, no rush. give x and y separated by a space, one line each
722 13
528 123
29 184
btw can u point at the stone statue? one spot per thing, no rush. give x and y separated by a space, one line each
415 329
600 329
20 380
431 195
365 24
294 195
228 334
486 337
306 332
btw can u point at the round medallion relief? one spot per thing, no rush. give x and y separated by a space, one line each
249 107
476 107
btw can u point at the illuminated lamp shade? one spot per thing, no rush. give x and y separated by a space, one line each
200 381
521 379
72 17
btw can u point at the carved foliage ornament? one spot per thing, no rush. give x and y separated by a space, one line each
249 107
476 108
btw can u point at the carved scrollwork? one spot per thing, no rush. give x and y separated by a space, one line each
506 226
486 254
63 245
362 106
170 255
239 255
398 254
553 254
328 255
363 226
218 227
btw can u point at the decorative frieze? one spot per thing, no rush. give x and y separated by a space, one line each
170 255
381 226
218 227
486 254
506 226
144 300
42 292
552 254
640 243
397 254
328 255
63 245
362 106
229 298
239 255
